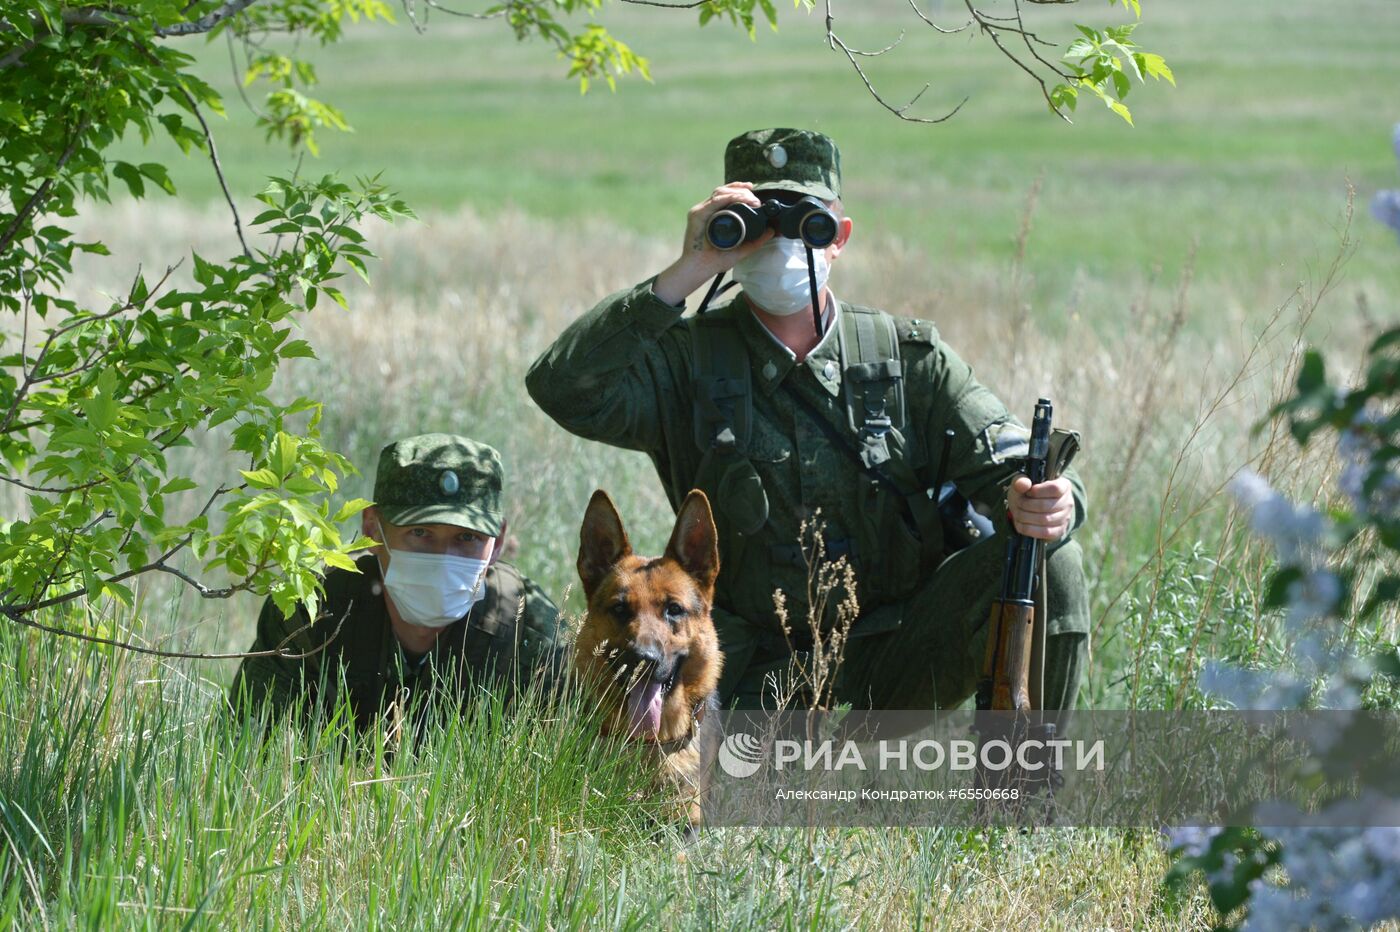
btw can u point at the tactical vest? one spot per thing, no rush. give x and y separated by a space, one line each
897 537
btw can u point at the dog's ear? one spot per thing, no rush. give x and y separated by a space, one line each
693 540
602 541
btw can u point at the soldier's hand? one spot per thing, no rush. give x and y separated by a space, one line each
1044 511
699 261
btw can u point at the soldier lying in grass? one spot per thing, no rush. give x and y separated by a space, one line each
432 610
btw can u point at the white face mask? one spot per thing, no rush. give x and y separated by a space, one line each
775 275
434 589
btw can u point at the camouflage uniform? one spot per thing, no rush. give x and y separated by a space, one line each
625 374
511 633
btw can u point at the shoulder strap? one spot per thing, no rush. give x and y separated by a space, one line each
873 380
721 384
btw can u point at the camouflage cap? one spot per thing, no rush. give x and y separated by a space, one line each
440 479
796 160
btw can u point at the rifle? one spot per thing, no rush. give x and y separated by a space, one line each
1014 626
1014 660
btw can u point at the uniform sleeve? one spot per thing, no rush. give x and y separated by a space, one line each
604 375
276 680
987 437
543 653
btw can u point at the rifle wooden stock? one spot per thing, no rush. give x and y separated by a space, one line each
1007 659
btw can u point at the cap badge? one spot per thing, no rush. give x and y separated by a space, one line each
777 156
448 482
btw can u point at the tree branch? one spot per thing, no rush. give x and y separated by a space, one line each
279 651
206 22
992 30
947 32
834 41
669 6
91 16
218 170
158 565
42 191
31 377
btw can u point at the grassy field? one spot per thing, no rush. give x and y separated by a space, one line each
1279 103
1148 279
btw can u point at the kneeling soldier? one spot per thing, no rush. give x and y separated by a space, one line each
431 610
786 414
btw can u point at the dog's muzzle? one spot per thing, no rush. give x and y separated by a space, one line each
648 676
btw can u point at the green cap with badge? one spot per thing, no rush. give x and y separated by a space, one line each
797 160
440 479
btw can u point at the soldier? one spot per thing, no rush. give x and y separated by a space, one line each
432 608
781 422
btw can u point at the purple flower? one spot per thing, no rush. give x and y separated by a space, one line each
1385 206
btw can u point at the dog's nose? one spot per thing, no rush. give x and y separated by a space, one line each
646 653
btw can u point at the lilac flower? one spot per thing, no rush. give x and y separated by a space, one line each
1250 488
1193 840
1252 689
1385 206
1313 597
1357 447
1296 530
1337 878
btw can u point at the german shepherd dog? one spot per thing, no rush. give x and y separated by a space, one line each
647 646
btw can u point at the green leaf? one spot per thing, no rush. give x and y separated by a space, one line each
1277 595
1313 373
350 509
130 174
260 478
157 173
339 560
284 453
1064 96
1156 66
297 349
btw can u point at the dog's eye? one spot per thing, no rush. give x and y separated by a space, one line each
675 611
621 611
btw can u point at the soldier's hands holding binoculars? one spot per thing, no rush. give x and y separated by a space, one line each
1043 511
699 260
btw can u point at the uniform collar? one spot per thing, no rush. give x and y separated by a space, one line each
772 360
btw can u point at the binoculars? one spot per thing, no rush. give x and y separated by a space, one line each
807 219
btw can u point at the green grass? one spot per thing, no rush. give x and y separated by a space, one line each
1279 103
127 799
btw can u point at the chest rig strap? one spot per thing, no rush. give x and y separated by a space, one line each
873 381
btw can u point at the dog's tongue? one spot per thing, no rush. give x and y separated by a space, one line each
644 709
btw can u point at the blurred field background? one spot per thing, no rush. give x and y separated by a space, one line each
1157 282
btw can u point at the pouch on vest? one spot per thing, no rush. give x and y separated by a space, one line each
723 414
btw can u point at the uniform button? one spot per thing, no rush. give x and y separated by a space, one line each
829 370
769 370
